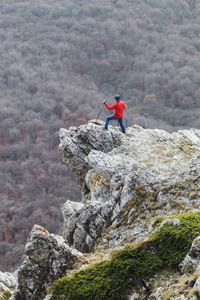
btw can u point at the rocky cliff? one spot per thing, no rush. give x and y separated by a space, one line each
127 181
139 189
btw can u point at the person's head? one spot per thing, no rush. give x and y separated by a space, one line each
117 98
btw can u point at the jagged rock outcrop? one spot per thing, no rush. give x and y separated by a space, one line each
48 258
80 142
191 263
127 179
84 223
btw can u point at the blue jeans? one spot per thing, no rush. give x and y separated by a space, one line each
112 117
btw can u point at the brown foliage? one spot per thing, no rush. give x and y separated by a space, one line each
149 98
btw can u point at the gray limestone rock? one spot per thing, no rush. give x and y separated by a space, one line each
48 258
8 282
83 223
157 295
192 260
76 144
176 222
128 178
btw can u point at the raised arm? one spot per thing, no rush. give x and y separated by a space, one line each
109 107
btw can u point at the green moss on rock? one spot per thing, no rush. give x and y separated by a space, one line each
6 295
110 280
173 243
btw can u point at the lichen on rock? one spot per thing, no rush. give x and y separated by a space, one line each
48 258
131 178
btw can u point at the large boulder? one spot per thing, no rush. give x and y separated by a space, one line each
48 258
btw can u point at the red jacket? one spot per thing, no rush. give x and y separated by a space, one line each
119 106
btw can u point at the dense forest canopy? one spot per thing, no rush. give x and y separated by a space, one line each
59 61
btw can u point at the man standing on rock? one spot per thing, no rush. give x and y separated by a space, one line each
119 107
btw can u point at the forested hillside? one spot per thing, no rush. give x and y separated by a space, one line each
59 61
